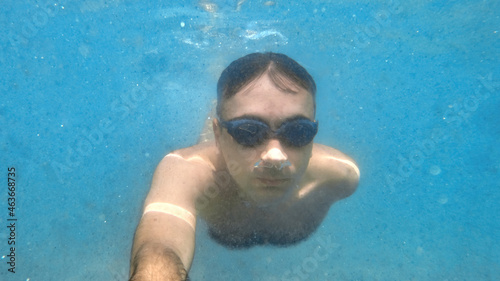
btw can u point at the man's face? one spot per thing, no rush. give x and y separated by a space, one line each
261 99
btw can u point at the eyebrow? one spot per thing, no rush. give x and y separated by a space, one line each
253 117
296 116
248 116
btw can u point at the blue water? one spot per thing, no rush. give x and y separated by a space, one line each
95 93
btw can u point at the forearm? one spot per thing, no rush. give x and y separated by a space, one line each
155 262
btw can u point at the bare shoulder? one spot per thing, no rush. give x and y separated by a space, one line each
334 170
203 154
181 175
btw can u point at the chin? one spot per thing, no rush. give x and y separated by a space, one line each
266 200
263 194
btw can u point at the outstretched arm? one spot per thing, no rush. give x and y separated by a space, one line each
156 262
164 240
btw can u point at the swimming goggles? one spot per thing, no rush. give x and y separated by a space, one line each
251 132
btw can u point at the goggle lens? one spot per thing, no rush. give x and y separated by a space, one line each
249 132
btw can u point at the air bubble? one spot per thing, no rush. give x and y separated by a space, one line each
443 200
435 170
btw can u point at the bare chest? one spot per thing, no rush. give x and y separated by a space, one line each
235 222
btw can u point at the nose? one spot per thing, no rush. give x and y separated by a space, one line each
273 157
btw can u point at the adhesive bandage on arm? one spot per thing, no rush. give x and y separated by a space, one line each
174 210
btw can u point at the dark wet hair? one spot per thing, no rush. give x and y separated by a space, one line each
282 70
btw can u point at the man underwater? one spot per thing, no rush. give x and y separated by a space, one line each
261 181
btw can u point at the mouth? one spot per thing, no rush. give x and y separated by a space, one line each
278 166
273 182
